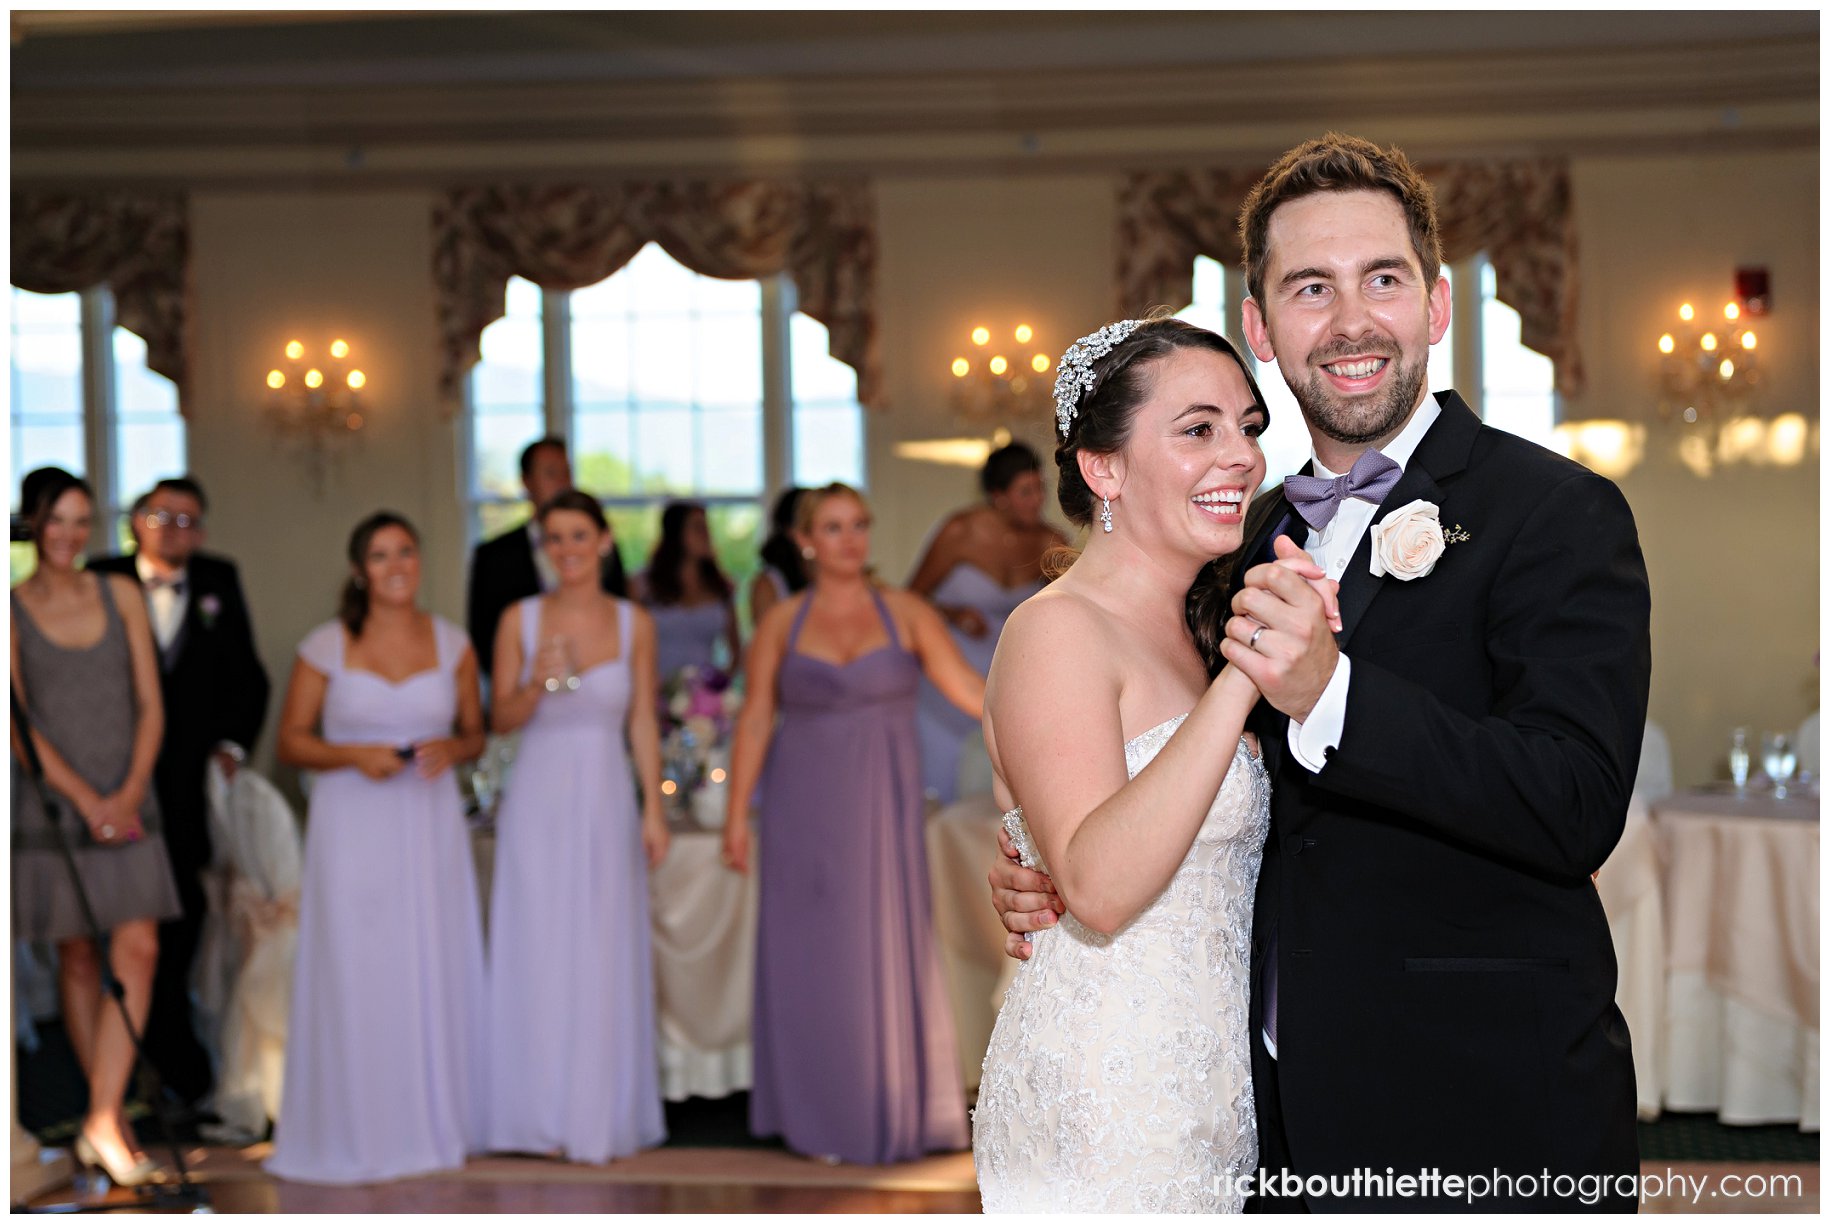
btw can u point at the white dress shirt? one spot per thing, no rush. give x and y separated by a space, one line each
165 604
543 564
1333 548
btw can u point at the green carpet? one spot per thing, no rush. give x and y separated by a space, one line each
1677 1136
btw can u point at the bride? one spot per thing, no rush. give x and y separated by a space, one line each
1118 1077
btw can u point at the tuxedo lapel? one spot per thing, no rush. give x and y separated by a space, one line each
1442 453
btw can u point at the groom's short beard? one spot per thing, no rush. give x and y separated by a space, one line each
1354 424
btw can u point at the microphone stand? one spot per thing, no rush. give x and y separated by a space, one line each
151 1195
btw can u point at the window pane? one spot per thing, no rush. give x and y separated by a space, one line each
149 433
1518 384
667 382
507 407
47 384
828 421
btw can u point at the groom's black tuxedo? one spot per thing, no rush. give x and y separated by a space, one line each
1445 973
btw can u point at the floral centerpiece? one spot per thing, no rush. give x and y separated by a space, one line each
699 707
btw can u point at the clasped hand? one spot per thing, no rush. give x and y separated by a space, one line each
1298 608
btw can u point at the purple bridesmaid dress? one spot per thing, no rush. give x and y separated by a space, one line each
853 1036
572 1064
384 1053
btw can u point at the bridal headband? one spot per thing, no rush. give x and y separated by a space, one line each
1075 373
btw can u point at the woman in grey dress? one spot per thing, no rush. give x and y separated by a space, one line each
86 669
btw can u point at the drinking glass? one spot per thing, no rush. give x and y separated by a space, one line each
1779 760
1738 758
568 675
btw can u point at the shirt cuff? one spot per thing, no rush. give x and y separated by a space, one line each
1312 741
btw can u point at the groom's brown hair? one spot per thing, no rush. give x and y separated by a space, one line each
1338 163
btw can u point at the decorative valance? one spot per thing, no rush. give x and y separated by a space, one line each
823 235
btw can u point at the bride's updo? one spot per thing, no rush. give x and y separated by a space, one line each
1101 424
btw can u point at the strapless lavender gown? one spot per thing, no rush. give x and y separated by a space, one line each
943 726
853 1036
572 1063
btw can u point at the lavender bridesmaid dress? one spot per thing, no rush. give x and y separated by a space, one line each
853 1036
572 1064
944 728
384 1053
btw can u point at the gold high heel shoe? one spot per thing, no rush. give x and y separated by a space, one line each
139 1173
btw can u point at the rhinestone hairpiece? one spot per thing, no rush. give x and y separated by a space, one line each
1075 373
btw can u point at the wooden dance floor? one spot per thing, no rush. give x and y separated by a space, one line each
736 1180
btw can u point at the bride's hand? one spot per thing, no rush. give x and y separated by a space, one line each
1293 558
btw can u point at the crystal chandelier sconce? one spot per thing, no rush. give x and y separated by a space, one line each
316 402
1707 370
1000 381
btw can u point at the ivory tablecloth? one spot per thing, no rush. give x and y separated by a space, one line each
1740 884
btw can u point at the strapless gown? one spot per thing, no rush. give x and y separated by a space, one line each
1119 1076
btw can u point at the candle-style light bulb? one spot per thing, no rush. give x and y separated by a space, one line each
275 379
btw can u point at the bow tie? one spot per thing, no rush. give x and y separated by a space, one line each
1318 499
174 584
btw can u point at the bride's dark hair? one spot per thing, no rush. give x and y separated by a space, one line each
1102 425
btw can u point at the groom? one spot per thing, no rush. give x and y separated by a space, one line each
1433 978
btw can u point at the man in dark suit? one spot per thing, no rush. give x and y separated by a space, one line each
215 692
1433 977
512 566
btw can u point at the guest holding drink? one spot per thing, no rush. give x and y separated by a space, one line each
572 1068
783 572
852 1034
85 668
980 563
384 1056
688 595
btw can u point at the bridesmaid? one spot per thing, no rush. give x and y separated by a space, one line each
572 1066
783 571
852 1032
85 666
384 1055
980 563
688 595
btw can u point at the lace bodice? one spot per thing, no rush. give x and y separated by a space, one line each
1118 1077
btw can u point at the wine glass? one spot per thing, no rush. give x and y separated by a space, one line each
1779 759
561 647
1739 758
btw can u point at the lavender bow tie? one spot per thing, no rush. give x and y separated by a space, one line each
1319 499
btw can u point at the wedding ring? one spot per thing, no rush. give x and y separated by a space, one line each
1252 642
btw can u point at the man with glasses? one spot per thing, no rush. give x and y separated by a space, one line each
215 693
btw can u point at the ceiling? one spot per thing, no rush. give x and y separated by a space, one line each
376 97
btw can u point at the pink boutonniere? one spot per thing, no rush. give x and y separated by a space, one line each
209 608
1409 541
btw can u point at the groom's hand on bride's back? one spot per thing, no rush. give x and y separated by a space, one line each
1025 900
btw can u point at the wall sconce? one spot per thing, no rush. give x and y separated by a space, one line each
1706 372
999 381
316 403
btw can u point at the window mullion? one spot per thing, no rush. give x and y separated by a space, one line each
99 406
778 304
1470 351
556 360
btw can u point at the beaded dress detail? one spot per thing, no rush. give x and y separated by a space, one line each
1119 1075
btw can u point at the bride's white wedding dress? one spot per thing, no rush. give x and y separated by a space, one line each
1119 1076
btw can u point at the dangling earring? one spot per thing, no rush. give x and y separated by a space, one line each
1105 515
807 552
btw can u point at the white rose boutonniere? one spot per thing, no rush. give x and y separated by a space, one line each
1408 542
209 607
